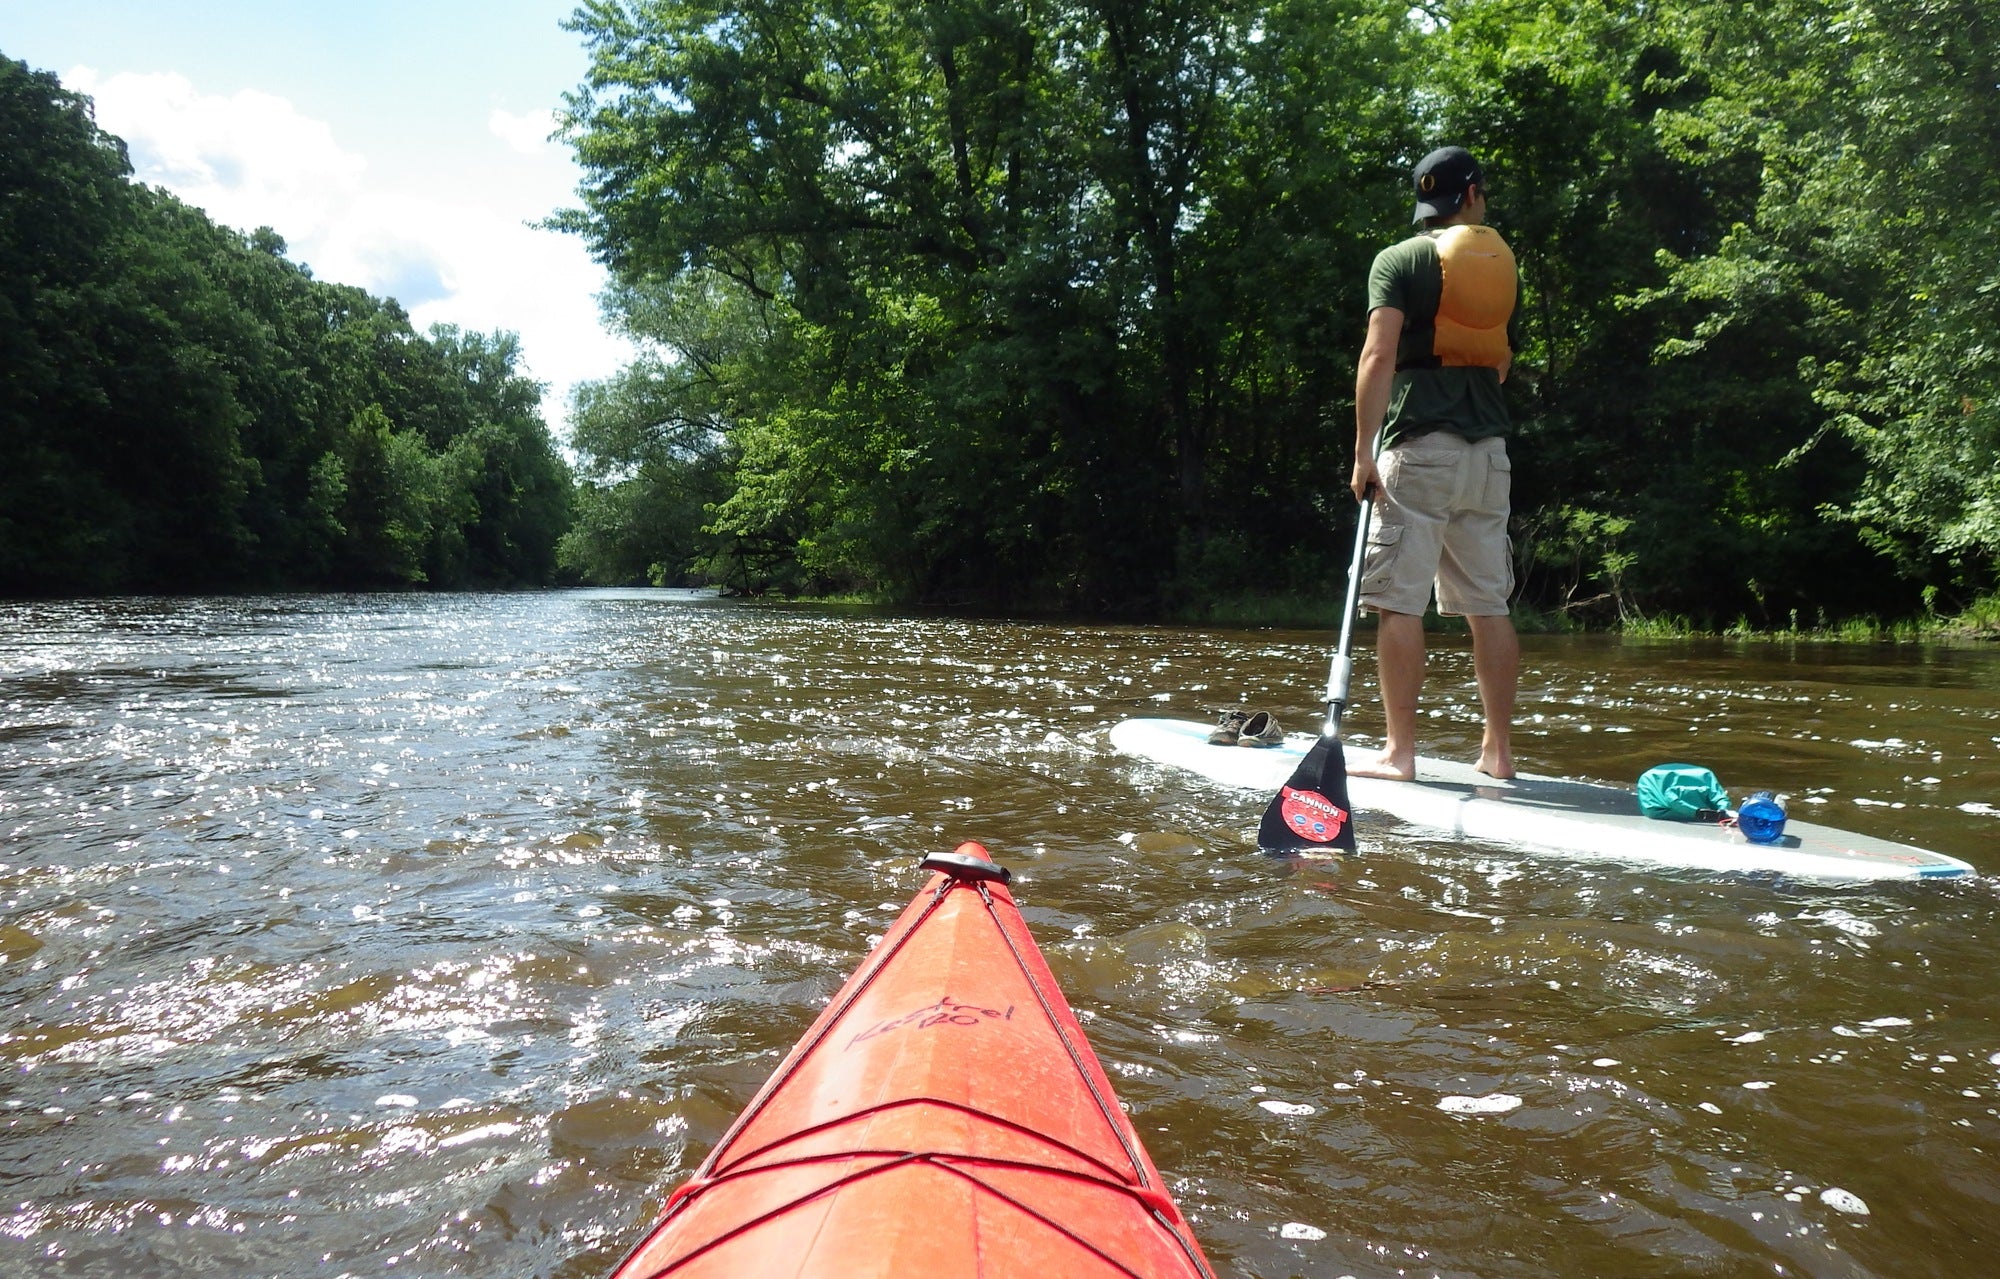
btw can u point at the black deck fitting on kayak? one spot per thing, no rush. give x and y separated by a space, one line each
967 867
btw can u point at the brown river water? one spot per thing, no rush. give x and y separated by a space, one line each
443 935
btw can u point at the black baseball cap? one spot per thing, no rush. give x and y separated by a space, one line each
1441 178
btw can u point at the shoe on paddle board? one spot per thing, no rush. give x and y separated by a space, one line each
1229 728
1260 730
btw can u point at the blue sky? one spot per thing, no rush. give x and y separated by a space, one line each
397 146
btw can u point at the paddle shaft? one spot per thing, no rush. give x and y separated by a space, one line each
1343 663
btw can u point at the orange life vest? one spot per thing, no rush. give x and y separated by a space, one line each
1478 298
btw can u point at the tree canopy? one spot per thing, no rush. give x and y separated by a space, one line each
1058 300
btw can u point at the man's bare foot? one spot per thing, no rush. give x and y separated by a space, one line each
1498 767
1385 766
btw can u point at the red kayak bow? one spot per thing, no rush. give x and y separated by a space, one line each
943 1117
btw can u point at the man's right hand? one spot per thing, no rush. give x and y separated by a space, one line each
1367 481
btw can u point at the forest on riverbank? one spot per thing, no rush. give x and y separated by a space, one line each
1057 301
182 408
1054 305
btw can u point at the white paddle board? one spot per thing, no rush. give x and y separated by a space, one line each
1544 813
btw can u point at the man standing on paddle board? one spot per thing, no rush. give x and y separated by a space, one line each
1430 427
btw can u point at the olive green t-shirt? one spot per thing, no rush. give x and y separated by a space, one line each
1464 401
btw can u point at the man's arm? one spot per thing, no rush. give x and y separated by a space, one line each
1373 378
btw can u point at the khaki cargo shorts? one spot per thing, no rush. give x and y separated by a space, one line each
1441 519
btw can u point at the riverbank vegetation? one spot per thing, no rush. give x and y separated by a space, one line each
1055 306
1058 303
183 408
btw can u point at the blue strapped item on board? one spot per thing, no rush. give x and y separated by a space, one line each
1682 793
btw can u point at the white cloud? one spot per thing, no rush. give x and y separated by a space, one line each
528 134
238 157
451 255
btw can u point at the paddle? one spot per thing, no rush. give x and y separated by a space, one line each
1311 812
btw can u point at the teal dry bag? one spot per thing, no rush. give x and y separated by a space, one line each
1682 793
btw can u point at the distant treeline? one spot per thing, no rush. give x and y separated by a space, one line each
182 408
1058 303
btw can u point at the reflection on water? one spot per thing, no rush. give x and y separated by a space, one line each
443 935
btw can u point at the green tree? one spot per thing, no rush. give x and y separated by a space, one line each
1006 263
1872 125
654 443
63 203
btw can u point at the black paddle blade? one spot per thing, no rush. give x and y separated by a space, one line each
1311 813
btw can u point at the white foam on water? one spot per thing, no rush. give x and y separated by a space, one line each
1845 921
1287 1107
1493 1103
480 1133
1843 1201
1300 1230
